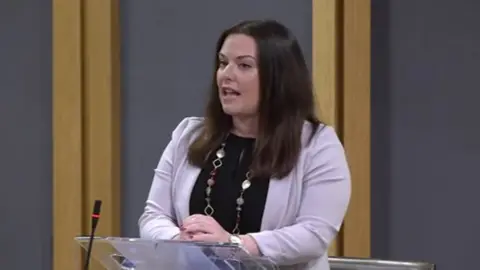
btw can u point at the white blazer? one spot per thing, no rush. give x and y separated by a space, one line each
303 211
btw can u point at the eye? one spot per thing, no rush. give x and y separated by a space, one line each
244 66
222 63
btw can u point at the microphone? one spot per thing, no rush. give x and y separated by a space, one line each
95 217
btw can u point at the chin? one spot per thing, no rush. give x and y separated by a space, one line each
231 112
236 111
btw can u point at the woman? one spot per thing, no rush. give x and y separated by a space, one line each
259 169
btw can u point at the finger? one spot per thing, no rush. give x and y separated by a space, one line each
194 219
185 236
201 219
205 237
198 228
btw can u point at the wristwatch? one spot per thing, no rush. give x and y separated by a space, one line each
234 239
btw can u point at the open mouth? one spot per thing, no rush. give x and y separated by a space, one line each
230 92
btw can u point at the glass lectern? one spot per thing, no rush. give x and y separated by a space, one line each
139 254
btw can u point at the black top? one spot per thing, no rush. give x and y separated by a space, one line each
228 186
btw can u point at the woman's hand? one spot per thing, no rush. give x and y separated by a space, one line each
204 228
184 236
207 229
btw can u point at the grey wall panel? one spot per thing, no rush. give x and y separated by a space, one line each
25 135
425 132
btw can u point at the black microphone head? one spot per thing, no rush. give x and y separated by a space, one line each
96 207
96 213
95 216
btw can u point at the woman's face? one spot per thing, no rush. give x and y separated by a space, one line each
237 76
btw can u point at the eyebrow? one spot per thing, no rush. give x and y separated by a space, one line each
221 55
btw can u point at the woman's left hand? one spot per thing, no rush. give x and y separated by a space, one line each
205 228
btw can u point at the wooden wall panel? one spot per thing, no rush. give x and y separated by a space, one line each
341 76
86 132
356 124
325 23
67 131
102 111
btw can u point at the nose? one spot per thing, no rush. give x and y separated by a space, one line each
227 72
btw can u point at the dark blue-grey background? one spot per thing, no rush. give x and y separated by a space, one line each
425 134
25 134
425 131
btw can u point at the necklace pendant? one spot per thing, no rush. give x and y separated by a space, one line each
210 182
220 153
240 201
209 210
246 184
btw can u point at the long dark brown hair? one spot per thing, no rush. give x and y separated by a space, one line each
286 102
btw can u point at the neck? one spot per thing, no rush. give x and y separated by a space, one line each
245 126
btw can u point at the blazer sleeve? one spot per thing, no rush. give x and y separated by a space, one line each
325 198
158 219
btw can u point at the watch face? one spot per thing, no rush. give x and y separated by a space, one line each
235 239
